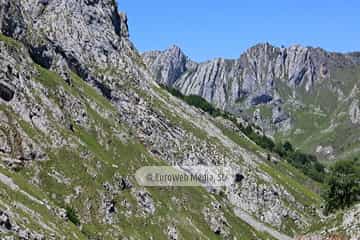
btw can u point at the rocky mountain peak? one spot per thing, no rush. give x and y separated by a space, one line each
261 47
167 65
124 28
90 10
176 49
83 36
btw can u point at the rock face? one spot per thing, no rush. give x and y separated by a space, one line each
350 226
168 68
216 220
252 76
145 201
351 223
86 37
6 226
5 221
354 112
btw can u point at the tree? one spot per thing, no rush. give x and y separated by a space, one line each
279 149
343 185
284 150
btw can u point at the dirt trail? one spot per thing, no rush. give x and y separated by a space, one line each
258 226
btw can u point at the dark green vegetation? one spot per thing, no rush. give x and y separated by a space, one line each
196 101
342 185
307 163
72 216
260 139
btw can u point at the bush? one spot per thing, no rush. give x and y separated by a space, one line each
261 140
196 101
342 185
288 147
176 93
266 143
279 149
308 163
284 150
201 103
72 216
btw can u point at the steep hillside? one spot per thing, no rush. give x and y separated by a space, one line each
80 114
304 94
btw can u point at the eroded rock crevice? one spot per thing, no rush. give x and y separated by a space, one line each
6 93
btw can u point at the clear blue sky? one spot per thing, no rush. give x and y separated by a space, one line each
205 29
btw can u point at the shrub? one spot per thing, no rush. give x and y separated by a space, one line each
196 101
342 185
288 147
279 149
308 163
72 216
201 103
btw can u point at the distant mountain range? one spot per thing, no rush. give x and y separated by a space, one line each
304 94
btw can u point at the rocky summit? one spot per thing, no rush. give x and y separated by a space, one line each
81 111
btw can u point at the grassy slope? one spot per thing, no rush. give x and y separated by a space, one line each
121 155
323 119
305 190
128 157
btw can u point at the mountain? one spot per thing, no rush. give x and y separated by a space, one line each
80 113
303 94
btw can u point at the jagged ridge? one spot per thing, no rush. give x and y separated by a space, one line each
224 82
